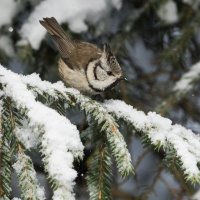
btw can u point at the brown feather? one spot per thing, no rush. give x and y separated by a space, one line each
63 42
75 54
84 53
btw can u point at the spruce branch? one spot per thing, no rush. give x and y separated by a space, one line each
59 139
7 148
93 110
181 146
182 87
27 176
107 125
100 174
180 44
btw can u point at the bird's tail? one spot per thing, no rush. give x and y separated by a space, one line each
54 28
63 42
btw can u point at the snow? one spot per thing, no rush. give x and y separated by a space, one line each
35 81
40 193
61 194
75 13
185 83
161 132
8 9
168 12
6 45
40 86
20 165
196 196
193 3
117 4
60 138
27 135
108 125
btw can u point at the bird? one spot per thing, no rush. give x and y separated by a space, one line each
83 65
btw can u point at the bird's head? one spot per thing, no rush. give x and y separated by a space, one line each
104 72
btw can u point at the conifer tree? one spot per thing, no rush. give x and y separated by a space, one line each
114 149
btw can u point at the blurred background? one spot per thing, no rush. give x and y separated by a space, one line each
155 42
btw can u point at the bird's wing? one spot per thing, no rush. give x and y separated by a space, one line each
63 42
85 52
75 54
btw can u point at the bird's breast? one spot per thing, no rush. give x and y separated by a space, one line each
75 78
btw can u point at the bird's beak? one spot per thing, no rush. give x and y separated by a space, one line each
123 78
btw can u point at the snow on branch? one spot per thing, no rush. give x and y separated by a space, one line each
186 83
193 3
60 141
168 12
8 9
196 195
44 122
35 82
94 109
108 125
75 13
162 133
29 186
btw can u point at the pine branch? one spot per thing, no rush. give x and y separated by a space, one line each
103 188
127 28
182 87
105 122
181 146
100 174
154 129
108 126
7 148
60 141
26 174
180 44
167 11
196 196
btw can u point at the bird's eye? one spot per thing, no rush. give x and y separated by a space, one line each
109 73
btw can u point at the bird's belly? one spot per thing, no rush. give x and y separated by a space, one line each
75 79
